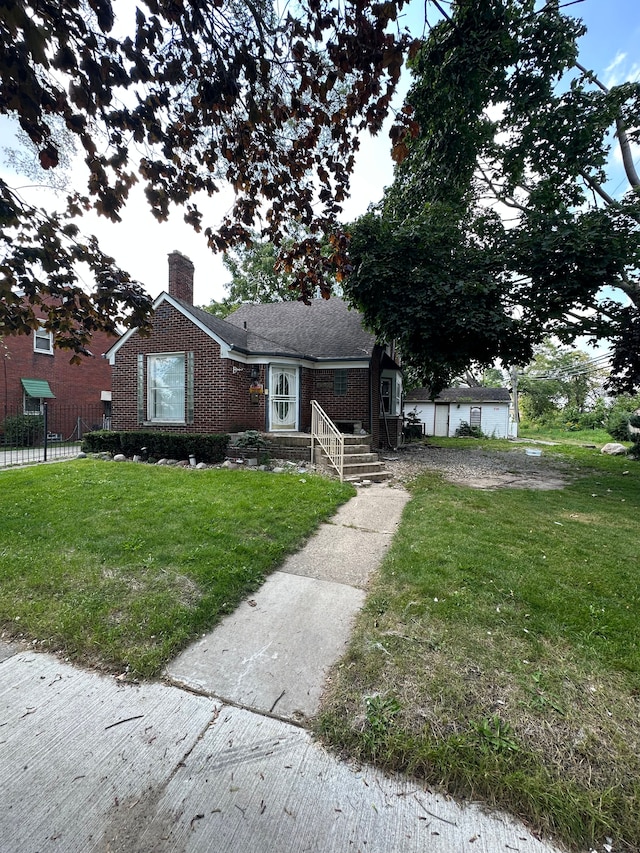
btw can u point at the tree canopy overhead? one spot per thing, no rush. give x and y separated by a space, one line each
498 229
192 95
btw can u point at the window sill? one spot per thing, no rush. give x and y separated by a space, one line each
164 423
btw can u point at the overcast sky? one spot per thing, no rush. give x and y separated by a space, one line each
611 48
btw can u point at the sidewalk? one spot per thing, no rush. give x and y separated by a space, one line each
216 759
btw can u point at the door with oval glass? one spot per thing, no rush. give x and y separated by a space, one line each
283 398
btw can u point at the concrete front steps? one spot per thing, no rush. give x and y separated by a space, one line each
360 463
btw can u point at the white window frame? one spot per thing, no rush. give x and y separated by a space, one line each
152 387
43 335
391 389
475 416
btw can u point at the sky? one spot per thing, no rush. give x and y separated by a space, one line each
611 48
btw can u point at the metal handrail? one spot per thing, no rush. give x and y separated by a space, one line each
330 439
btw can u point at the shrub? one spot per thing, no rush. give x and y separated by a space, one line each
617 424
465 430
23 430
206 447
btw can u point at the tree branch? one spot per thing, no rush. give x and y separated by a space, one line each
621 133
510 202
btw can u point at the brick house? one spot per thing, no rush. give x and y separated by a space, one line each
257 369
33 371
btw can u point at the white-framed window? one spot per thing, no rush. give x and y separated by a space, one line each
43 341
166 387
475 416
391 393
31 405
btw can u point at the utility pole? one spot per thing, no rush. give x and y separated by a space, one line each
514 391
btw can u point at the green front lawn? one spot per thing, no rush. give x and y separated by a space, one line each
498 654
121 565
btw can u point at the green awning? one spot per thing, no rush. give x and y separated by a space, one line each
37 388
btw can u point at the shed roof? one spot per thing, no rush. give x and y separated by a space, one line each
460 395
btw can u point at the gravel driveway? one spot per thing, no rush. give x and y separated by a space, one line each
479 469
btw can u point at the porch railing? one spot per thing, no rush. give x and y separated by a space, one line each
327 435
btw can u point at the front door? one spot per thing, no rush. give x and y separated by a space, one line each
283 398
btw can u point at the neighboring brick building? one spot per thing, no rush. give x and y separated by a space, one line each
32 371
258 369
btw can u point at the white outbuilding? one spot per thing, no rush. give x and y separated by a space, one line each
487 408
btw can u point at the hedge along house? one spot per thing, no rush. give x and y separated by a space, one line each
260 368
486 408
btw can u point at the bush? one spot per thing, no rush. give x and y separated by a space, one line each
617 424
23 430
467 431
206 447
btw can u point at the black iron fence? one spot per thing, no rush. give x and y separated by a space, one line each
53 432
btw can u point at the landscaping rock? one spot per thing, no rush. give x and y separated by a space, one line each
201 465
614 449
81 455
162 461
119 457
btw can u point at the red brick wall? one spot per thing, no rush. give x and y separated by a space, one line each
77 385
221 400
353 406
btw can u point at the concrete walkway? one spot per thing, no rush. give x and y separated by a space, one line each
88 763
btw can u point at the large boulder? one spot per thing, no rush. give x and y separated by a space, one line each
614 449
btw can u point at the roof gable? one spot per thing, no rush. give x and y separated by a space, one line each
323 330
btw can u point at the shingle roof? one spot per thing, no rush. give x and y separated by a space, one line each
325 329
460 395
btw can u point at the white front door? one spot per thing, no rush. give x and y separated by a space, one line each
283 398
441 419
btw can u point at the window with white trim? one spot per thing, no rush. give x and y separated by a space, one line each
475 416
43 341
31 405
166 387
391 393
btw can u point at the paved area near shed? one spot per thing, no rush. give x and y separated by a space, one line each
90 763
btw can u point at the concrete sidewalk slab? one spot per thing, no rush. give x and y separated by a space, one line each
377 508
261 785
75 745
345 555
90 765
272 653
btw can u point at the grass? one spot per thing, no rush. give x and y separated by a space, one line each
598 437
498 654
121 565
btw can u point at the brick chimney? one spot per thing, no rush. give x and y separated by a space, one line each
181 277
